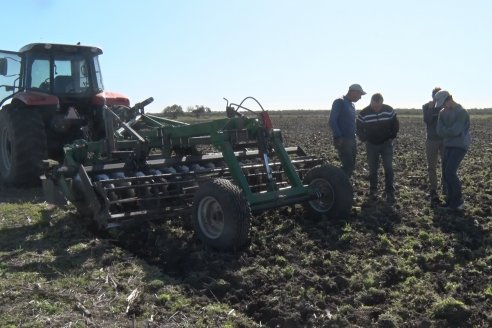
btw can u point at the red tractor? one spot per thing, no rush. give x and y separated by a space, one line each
51 95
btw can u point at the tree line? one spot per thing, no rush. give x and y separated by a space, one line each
175 110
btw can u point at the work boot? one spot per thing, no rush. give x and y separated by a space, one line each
390 198
434 198
372 194
459 208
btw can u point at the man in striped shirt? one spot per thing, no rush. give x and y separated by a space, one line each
377 126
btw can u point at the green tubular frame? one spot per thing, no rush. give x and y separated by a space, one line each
165 134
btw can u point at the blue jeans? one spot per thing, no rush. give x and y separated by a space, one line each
347 152
385 150
451 162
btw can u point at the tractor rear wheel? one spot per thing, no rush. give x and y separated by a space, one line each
336 192
22 146
221 215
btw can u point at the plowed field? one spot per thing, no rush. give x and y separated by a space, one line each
406 265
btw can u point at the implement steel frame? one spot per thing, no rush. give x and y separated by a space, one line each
160 133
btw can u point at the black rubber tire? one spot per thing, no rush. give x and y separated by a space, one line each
22 146
336 188
227 228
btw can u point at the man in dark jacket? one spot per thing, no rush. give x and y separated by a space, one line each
433 145
377 126
342 124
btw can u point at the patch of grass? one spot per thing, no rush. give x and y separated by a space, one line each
369 280
437 240
216 308
309 259
372 296
346 233
47 307
288 271
155 285
327 263
424 236
414 294
15 215
345 309
385 244
451 310
388 320
488 291
220 315
280 260
451 287
165 297
352 263
174 300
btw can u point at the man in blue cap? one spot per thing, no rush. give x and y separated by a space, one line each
342 124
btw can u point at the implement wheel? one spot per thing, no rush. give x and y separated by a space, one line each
22 146
221 215
336 190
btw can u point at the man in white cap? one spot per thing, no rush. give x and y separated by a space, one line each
342 124
453 125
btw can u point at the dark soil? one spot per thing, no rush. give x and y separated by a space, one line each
384 265
406 265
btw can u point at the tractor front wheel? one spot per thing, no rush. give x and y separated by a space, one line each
22 146
335 190
221 215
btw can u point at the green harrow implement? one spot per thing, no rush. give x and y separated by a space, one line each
219 172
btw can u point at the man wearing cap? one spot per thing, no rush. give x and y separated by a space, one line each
433 144
342 124
453 125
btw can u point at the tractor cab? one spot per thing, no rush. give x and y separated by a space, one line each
64 71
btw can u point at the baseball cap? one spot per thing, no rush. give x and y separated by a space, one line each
357 87
440 97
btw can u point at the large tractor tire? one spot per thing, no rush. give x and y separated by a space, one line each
336 190
221 215
22 146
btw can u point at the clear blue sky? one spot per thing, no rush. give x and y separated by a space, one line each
287 54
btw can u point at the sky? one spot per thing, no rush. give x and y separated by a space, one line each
287 54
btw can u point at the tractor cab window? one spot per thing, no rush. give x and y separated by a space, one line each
99 80
9 73
40 75
58 74
70 75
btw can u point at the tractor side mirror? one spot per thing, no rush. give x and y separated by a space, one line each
3 66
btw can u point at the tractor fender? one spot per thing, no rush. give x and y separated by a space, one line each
34 98
110 98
